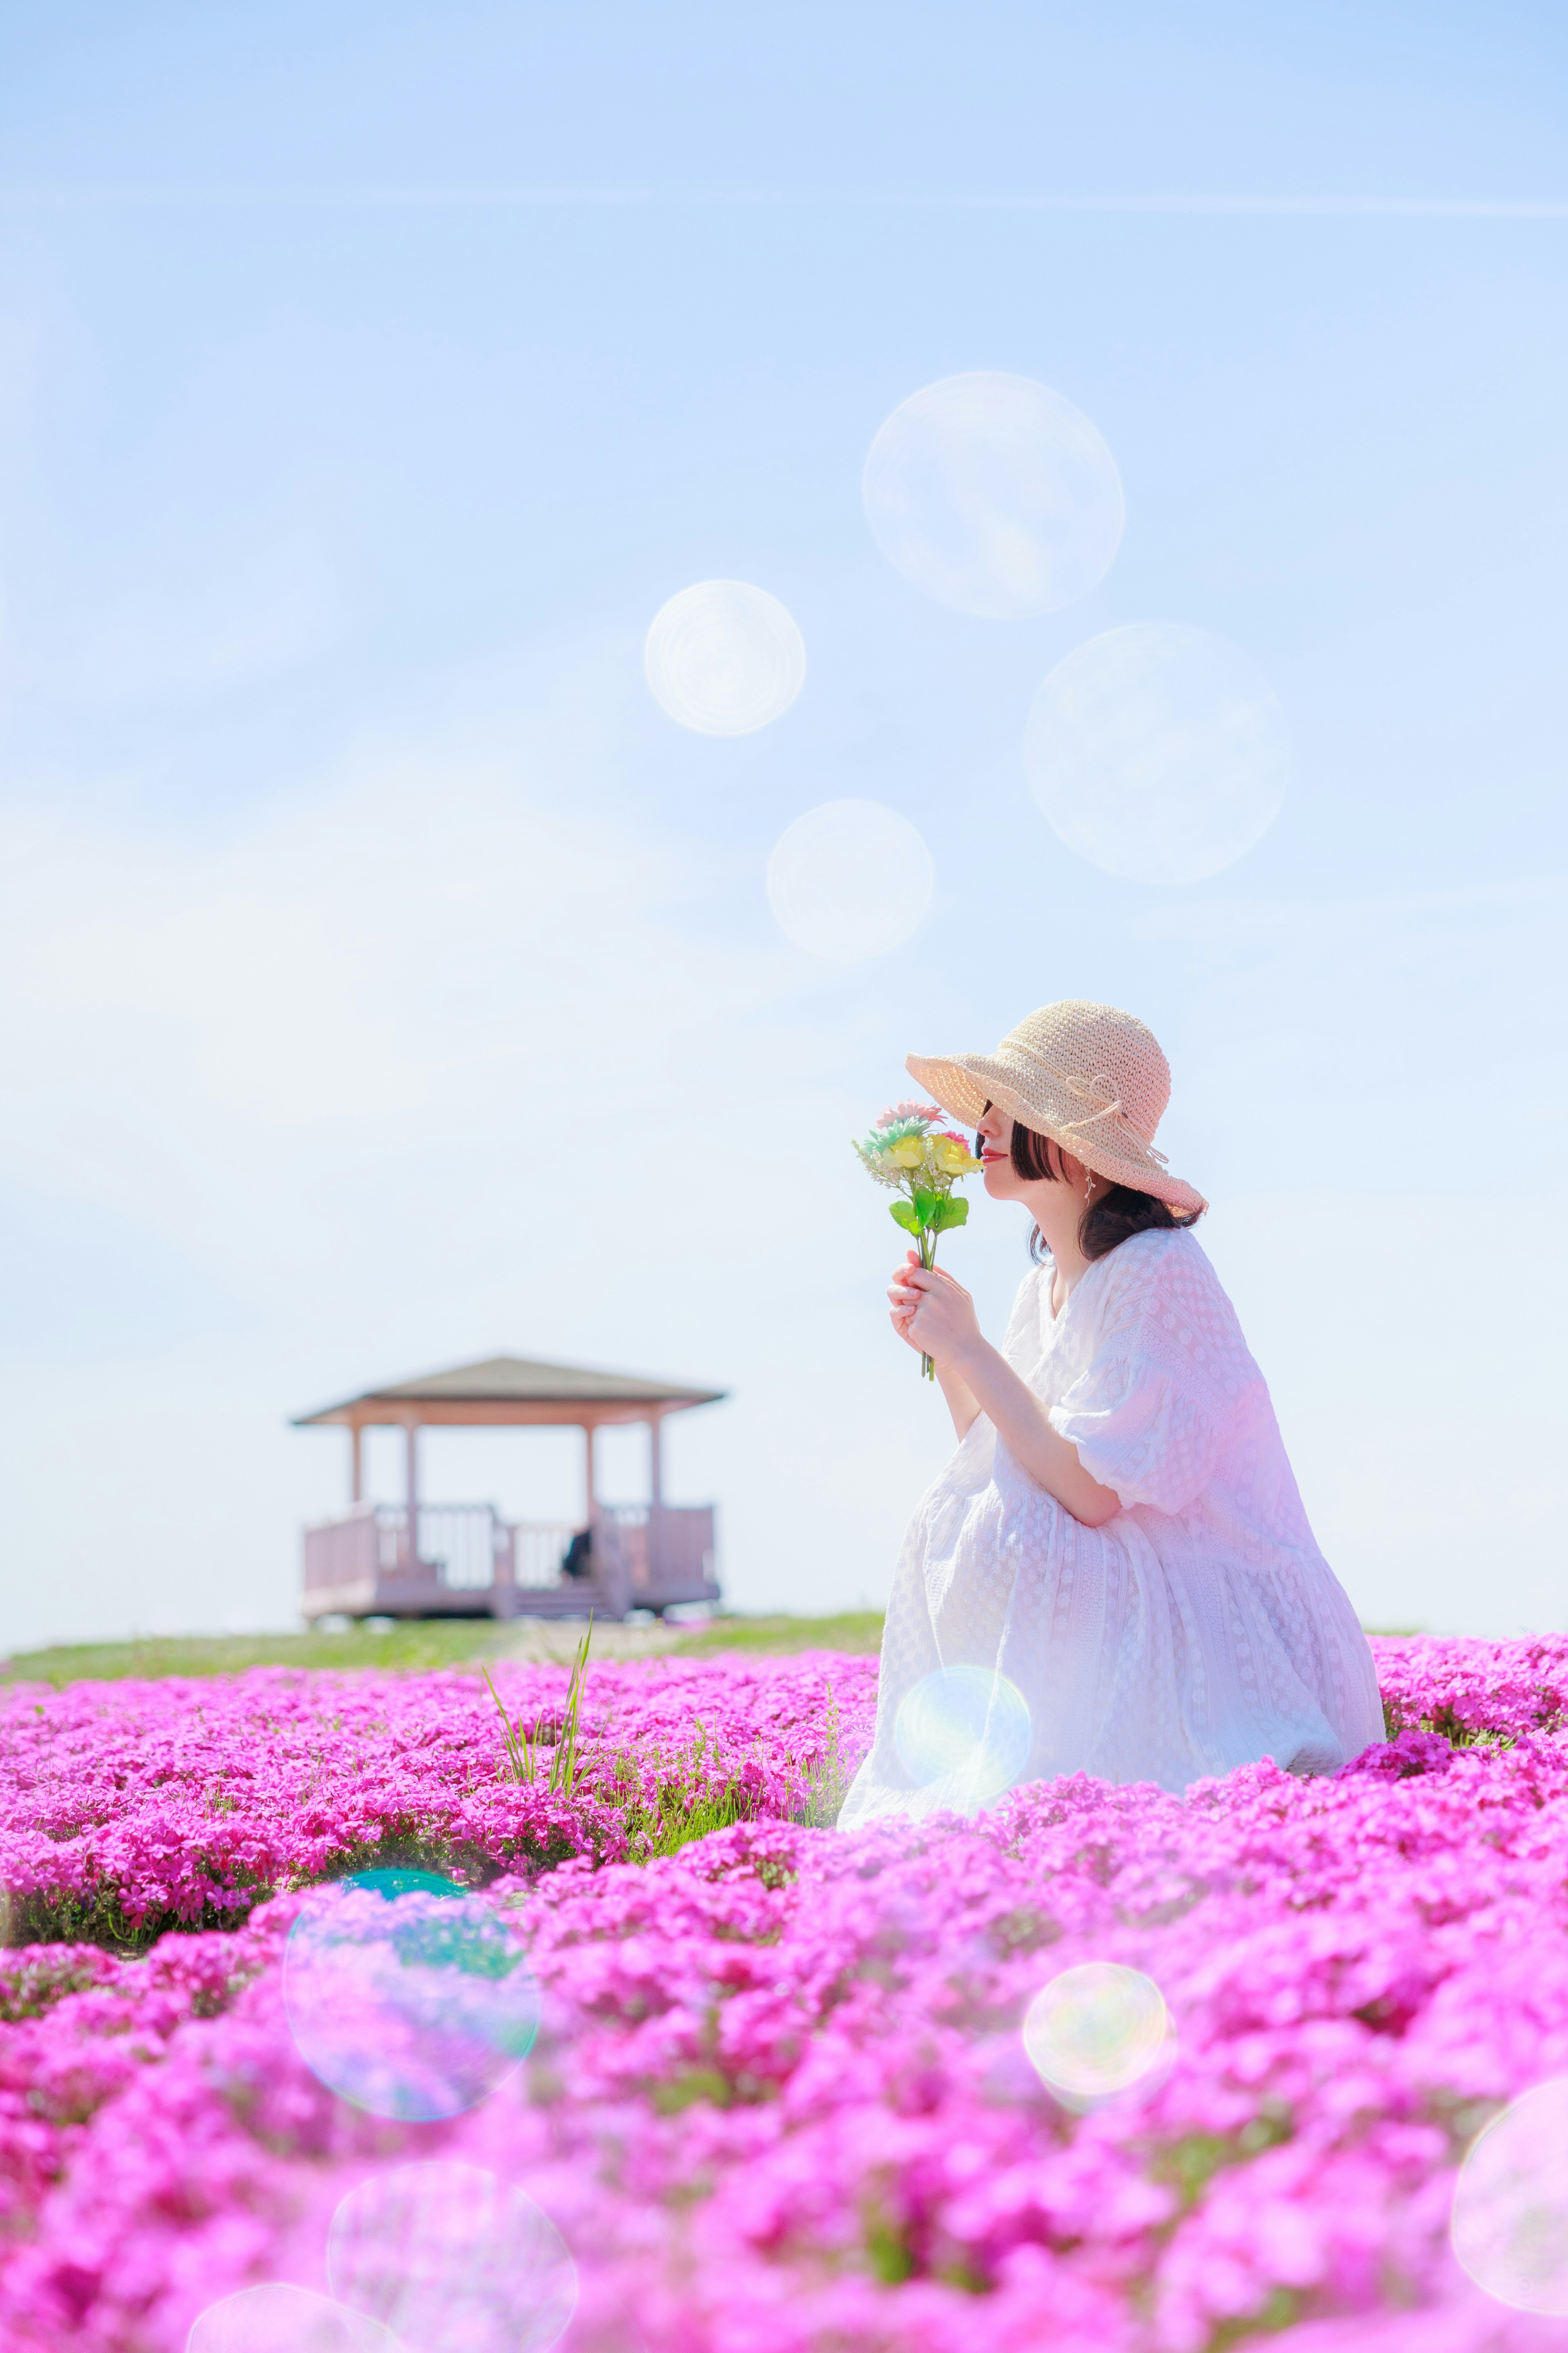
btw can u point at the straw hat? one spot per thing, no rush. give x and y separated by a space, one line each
1090 1077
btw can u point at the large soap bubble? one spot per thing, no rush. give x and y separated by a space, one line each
453 2260
724 657
849 879
996 495
964 1733
1159 752
277 2318
1510 2203
406 1995
1097 2030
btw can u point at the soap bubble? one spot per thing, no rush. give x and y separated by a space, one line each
280 2319
453 2260
1510 2203
849 879
964 1733
1158 752
724 657
1096 2031
407 1996
996 495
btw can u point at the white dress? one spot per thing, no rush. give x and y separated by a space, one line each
1197 1629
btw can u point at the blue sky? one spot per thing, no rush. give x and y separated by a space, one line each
385 979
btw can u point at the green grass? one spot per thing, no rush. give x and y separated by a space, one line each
852 1630
431 1643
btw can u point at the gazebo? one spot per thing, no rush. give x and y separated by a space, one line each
418 1559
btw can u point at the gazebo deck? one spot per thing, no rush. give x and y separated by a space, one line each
416 1559
471 1563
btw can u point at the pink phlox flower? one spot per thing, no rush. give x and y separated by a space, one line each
1401 1759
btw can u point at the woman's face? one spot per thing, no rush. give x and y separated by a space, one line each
1002 1180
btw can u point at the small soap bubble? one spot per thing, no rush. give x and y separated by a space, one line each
849 881
724 657
453 2260
1097 2030
277 2318
995 495
964 1733
1510 2203
1158 752
406 1995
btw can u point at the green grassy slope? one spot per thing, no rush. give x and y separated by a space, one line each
432 1643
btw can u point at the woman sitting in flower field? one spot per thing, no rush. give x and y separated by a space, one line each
1116 1558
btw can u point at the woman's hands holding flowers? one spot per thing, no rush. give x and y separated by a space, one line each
909 1152
932 1312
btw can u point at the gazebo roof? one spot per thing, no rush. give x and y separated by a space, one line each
513 1390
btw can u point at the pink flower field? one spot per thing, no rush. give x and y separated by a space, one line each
131 1806
779 2099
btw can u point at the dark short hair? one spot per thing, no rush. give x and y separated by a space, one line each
1115 1217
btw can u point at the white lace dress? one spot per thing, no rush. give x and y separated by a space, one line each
1198 1630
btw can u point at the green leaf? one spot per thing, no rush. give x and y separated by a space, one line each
954 1211
903 1214
928 1207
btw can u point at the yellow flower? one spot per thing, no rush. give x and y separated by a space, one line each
952 1159
909 1154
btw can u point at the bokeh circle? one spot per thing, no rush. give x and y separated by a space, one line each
963 1732
1096 2031
849 879
406 1995
1510 2203
1159 752
995 495
278 2318
453 2260
724 657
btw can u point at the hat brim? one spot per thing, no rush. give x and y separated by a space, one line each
964 1083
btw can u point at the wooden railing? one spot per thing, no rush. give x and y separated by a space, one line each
341 1553
662 1547
641 1556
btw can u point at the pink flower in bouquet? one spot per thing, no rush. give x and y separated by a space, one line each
897 1112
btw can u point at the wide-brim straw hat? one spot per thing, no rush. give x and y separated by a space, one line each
1092 1079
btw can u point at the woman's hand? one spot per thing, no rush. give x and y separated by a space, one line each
931 1313
935 1314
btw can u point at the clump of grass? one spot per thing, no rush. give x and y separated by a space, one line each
1449 1726
831 1782
522 1750
684 1804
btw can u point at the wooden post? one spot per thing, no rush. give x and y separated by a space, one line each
356 1480
589 1495
411 1442
655 1501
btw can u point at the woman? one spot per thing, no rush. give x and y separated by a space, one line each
1114 1574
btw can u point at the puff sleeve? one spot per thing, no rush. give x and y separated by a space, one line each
1155 1408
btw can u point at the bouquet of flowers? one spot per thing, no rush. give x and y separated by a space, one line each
910 1150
